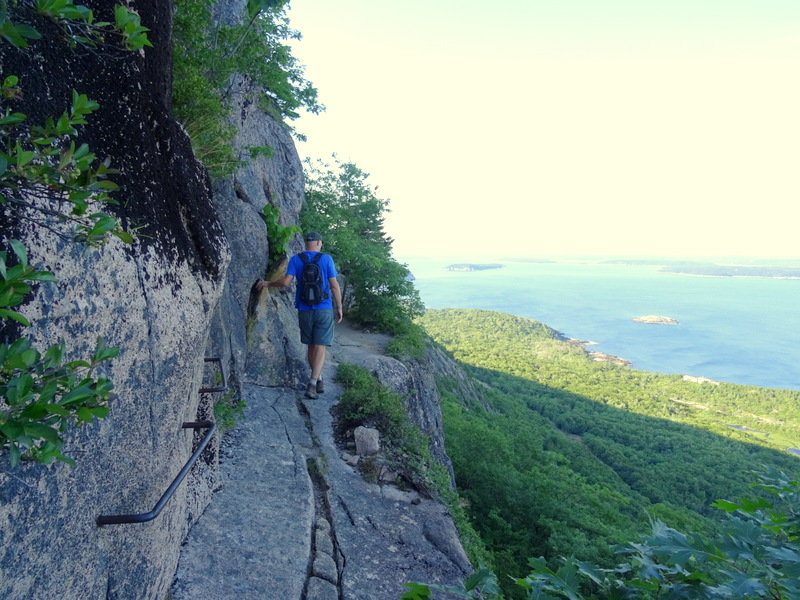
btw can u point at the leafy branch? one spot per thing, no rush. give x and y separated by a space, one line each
77 23
277 235
42 168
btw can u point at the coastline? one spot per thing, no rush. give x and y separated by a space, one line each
750 337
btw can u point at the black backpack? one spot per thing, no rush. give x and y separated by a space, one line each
311 290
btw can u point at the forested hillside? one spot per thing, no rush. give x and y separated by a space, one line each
565 456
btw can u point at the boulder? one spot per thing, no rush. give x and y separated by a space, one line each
368 441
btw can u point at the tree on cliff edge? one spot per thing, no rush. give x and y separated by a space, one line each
343 207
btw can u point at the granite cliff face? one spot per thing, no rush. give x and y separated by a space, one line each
153 300
181 293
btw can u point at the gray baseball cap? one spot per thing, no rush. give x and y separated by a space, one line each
313 236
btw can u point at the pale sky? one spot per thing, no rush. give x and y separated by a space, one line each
540 127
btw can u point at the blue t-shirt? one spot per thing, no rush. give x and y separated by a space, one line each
295 269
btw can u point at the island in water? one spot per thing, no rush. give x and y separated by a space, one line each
473 267
656 320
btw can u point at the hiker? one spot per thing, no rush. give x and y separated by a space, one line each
315 316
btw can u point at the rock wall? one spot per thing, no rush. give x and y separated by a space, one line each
154 300
261 348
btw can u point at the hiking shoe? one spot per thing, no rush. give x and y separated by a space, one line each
311 392
320 386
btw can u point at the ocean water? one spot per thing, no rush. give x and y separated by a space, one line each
738 330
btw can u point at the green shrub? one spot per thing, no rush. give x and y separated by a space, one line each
366 402
408 342
228 410
481 585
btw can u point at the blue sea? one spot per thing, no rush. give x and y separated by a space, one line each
738 330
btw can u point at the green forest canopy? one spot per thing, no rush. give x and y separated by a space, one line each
563 456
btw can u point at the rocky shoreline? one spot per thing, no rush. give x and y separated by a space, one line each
596 356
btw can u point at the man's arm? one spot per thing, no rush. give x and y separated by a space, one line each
282 282
337 298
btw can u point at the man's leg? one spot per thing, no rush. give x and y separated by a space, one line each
316 359
317 334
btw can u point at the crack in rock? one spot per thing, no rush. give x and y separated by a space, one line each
326 561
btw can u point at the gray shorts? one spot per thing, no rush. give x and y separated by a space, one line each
316 326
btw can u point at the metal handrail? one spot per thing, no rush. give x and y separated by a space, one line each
223 387
149 516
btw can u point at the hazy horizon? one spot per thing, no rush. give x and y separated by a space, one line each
504 256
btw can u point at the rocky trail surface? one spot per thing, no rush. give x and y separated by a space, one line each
294 521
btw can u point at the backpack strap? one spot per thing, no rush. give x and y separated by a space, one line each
304 258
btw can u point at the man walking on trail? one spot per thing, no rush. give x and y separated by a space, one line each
316 320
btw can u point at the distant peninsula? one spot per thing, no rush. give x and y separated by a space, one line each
769 268
656 320
700 270
473 267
